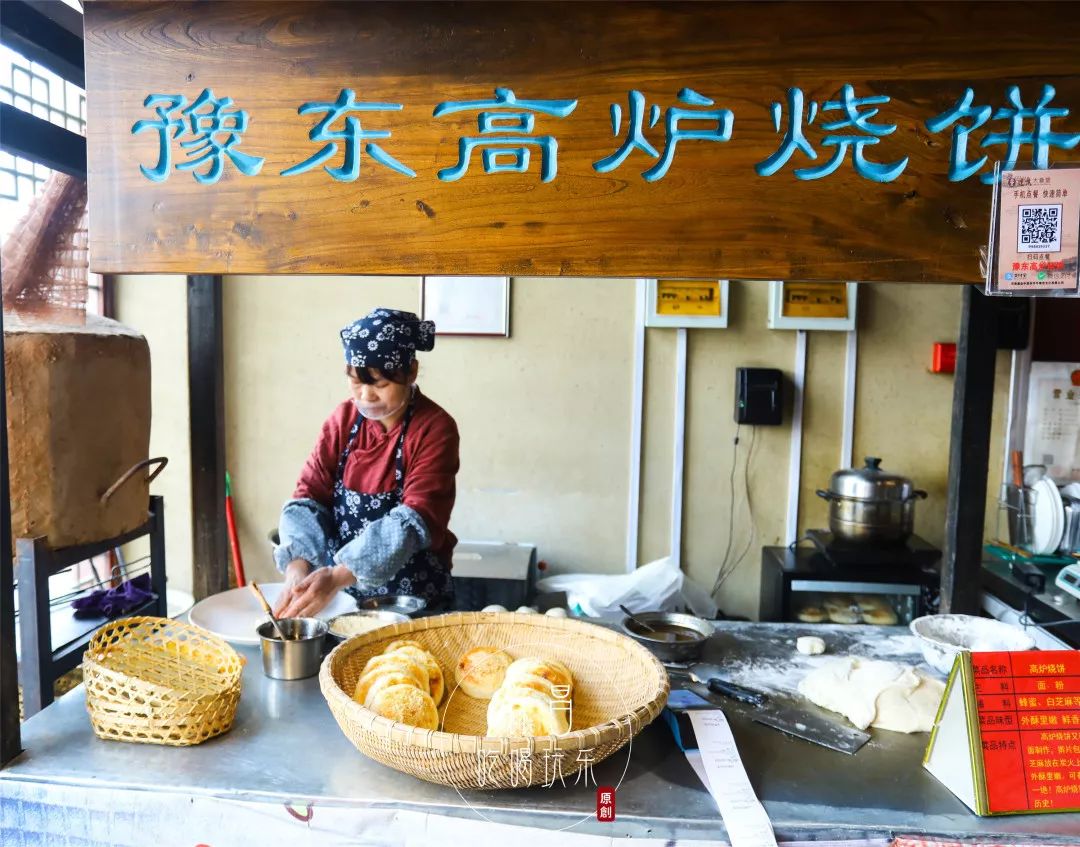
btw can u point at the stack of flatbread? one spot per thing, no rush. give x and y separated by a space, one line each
529 697
404 683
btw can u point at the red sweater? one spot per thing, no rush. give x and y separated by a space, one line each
431 463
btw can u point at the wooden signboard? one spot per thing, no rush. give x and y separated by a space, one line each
701 140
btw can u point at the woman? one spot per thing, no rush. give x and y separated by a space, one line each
371 510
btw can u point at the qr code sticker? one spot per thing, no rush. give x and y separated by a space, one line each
1039 229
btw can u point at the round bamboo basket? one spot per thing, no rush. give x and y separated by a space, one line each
619 688
158 681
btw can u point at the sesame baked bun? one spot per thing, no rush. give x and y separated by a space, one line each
406 704
516 711
379 679
480 671
436 685
398 662
403 642
553 671
882 616
531 680
812 614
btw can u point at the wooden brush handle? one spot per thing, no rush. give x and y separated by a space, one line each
1017 460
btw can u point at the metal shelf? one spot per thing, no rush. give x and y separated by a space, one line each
41 663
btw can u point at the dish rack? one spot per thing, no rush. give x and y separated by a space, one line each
1021 509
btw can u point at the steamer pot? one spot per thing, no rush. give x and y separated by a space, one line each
871 506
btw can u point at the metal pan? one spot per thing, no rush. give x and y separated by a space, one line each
693 633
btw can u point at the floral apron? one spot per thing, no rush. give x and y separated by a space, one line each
423 575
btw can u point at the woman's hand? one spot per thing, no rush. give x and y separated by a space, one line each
314 592
295 572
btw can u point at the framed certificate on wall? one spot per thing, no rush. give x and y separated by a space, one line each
467 305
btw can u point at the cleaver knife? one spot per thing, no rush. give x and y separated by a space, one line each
786 717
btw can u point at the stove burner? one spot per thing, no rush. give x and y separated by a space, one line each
914 552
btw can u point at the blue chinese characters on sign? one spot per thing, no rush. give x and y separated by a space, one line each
353 135
673 132
215 132
209 130
856 116
965 118
506 135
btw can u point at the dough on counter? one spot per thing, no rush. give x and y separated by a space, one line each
868 692
812 614
810 645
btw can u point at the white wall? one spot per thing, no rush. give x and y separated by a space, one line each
545 415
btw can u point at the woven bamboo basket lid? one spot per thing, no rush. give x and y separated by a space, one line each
159 681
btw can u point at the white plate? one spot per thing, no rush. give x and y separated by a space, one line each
1072 490
1049 518
234 614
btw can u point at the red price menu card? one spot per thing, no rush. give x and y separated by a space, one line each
1007 737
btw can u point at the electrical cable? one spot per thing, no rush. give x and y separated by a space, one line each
1026 621
731 509
728 567
749 503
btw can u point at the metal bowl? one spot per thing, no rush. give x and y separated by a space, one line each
403 604
697 629
297 658
383 617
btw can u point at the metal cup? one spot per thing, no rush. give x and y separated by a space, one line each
298 657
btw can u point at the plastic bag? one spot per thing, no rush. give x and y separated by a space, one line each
657 586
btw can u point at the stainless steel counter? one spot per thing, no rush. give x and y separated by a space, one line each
285 748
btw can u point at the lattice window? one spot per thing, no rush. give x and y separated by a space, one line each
35 89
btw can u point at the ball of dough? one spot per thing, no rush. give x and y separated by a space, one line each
406 704
812 614
556 613
526 610
480 671
810 645
494 607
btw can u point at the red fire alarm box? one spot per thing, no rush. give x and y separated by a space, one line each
944 358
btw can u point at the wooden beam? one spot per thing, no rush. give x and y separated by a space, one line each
969 453
49 33
622 201
206 393
33 138
10 741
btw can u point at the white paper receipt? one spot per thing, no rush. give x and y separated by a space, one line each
744 817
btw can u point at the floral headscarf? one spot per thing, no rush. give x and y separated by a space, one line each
386 339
